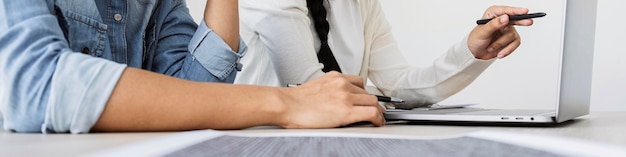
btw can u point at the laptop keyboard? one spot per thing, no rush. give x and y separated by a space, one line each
447 111
480 111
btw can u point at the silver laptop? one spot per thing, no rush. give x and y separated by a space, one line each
574 90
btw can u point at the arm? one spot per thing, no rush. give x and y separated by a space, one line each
448 74
394 76
177 46
144 101
223 17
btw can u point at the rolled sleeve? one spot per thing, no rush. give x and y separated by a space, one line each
81 87
211 51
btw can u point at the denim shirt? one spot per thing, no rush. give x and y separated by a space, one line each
61 59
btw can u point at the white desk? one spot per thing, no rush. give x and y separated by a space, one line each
601 127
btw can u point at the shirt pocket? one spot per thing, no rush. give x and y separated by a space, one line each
84 34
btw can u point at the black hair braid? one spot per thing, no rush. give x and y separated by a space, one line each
322 27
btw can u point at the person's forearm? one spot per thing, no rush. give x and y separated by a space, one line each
223 17
146 101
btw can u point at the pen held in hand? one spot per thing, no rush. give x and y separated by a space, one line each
389 99
379 97
515 17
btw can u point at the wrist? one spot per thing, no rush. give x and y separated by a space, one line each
278 99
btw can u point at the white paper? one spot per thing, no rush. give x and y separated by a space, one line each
359 144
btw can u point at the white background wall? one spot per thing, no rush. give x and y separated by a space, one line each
425 29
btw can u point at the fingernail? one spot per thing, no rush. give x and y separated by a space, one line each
491 49
500 55
503 19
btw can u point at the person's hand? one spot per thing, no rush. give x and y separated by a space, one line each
498 38
332 100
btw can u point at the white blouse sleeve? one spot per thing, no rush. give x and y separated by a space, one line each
274 21
393 76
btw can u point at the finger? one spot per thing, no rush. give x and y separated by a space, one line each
364 100
526 22
505 44
496 11
509 49
367 113
487 31
507 35
355 80
488 55
345 82
356 89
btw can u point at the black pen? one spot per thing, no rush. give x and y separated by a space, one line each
514 17
389 99
380 97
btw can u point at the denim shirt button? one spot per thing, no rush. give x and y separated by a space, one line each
117 17
238 66
85 50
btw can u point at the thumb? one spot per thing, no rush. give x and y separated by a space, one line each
486 31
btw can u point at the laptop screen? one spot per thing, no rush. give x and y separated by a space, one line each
577 61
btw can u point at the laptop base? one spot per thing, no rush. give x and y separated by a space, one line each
481 124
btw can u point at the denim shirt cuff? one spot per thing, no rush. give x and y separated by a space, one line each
212 52
80 88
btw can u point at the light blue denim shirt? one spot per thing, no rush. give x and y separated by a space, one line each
61 59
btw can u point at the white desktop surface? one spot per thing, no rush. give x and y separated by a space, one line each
598 127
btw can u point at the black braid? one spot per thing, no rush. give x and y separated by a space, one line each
318 15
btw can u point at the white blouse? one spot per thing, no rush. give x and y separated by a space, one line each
282 47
